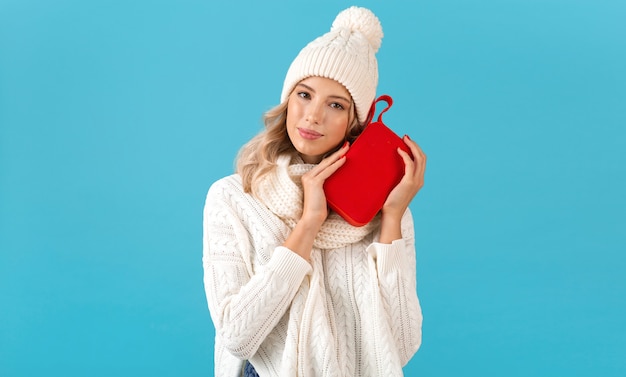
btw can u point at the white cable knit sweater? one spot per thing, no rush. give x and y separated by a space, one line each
353 311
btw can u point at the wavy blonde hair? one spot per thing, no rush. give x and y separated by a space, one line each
258 156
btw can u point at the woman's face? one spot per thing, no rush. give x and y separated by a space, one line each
318 114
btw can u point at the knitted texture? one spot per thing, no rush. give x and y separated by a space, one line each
353 311
281 190
347 54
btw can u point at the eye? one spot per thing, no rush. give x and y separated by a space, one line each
304 95
337 105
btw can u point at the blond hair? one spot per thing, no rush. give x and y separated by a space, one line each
258 156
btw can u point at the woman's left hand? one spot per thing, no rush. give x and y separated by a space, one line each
400 197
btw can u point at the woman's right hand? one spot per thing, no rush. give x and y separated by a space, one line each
315 207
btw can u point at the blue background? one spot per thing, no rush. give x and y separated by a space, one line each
116 116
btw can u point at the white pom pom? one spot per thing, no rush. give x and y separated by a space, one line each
363 21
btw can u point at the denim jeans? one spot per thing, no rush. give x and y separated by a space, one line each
248 370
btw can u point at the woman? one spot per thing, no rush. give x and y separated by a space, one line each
292 288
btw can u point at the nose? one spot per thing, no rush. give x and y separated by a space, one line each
314 112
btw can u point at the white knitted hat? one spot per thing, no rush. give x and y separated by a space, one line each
345 54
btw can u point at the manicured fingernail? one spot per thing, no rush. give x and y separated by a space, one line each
345 144
407 136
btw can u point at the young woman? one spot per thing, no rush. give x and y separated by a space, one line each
293 289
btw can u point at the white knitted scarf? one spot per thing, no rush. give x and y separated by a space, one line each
281 191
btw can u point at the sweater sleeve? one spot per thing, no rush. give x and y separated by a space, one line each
393 267
245 305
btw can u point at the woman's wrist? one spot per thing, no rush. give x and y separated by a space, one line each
390 227
301 238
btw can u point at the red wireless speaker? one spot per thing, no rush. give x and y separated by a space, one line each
373 167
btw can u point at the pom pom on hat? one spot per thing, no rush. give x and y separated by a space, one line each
363 21
345 54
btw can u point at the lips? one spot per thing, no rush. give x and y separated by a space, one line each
309 134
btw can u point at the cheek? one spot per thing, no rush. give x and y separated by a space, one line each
291 114
341 127
294 112
288 119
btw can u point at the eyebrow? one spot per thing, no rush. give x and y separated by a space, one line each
331 96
